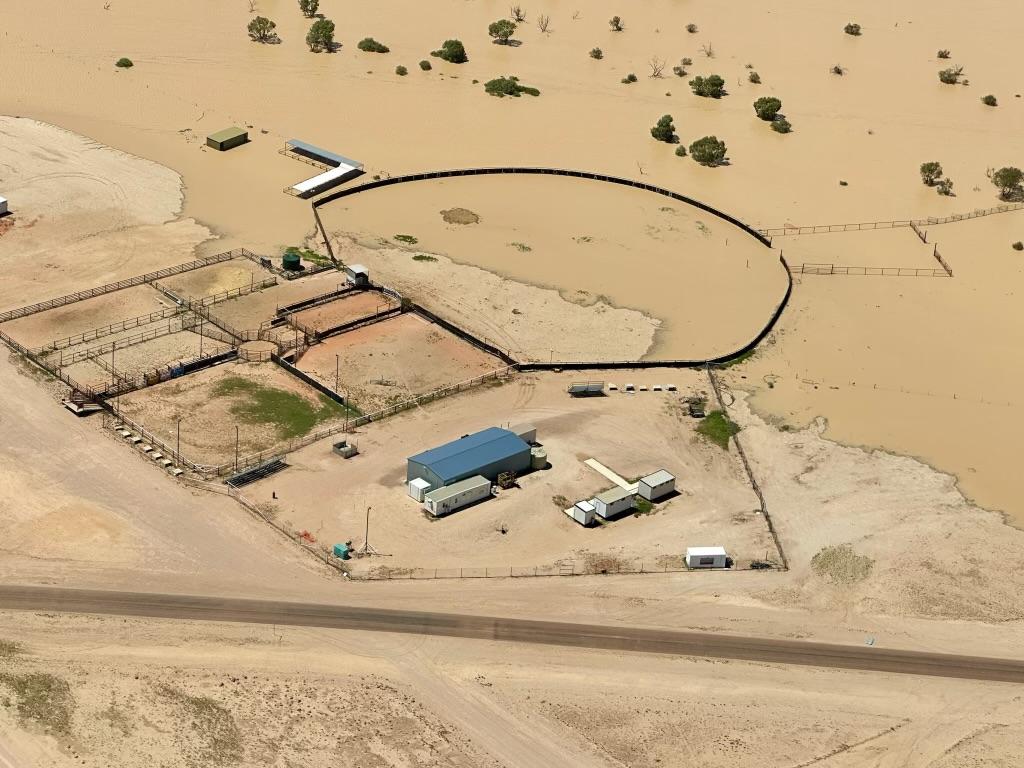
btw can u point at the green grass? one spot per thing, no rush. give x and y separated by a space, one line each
521 247
42 699
407 239
291 414
643 506
718 428
424 257
738 359
307 255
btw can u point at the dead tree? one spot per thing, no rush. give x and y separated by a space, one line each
542 22
657 66
516 11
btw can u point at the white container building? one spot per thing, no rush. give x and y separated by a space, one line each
656 485
613 502
3 206
418 488
582 512
706 557
446 500
357 274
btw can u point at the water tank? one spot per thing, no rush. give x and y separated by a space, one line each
291 261
538 458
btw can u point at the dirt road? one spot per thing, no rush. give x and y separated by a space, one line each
637 640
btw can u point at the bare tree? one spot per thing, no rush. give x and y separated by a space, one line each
543 21
707 50
657 66
516 11
252 6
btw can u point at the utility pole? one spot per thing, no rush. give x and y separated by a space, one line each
178 451
236 447
366 549
337 373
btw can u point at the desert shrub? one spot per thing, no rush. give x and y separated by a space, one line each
838 70
691 28
711 86
708 151
124 63
945 187
754 78
1018 246
852 29
596 53
630 78
1009 181
452 51
664 130
686 61
309 7
680 151
943 53
321 35
426 66
781 125
370 45
615 23
767 107
951 75
679 71
989 101
931 173
508 86
401 71
501 30
261 29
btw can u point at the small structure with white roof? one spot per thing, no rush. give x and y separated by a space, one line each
613 502
337 168
582 512
357 274
706 557
656 485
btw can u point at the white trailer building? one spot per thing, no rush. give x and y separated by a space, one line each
612 502
443 501
582 512
3 206
656 485
357 274
706 557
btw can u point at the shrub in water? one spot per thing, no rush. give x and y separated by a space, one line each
931 173
402 71
596 53
426 65
711 86
781 125
508 86
124 63
708 151
989 101
767 107
664 130
630 78
372 46
754 78
680 151
951 76
452 51
852 29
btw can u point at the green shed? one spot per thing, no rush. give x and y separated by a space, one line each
229 138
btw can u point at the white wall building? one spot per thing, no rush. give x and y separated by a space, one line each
443 501
706 557
582 512
656 485
3 205
613 502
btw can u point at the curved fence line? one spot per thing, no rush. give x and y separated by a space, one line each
764 239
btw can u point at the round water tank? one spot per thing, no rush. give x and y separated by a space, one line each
538 458
291 261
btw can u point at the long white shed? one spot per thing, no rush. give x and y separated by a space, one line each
656 485
706 557
443 501
614 501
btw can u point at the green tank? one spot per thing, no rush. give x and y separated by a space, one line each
291 261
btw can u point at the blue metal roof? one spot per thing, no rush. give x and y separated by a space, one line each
331 158
466 454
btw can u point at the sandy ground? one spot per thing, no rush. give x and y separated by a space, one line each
394 360
207 424
84 214
248 312
652 255
345 310
868 248
208 281
164 351
525 527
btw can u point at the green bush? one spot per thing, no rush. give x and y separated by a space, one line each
320 36
708 151
718 428
261 29
781 125
931 173
852 29
596 53
452 51
754 78
711 86
309 7
664 130
838 70
124 63
951 75
989 101
426 65
767 107
501 30
401 71
370 45
616 24
630 78
508 86
1009 181
945 187
691 28
943 53
1018 246
680 151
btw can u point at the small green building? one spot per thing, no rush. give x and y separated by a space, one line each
229 138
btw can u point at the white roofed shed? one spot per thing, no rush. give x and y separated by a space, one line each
706 557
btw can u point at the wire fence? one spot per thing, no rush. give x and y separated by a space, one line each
107 330
129 282
174 325
838 269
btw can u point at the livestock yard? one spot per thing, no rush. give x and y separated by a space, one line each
682 360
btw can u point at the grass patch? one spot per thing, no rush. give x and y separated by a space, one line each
841 565
10 648
521 247
718 428
211 722
307 255
291 414
424 257
738 359
643 506
407 239
508 86
42 699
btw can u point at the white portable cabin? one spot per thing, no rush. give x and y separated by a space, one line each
443 501
3 206
582 512
357 274
418 488
613 502
706 557
656 485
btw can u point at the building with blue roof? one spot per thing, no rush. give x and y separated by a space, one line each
488 453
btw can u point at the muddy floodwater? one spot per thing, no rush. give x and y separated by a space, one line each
709 285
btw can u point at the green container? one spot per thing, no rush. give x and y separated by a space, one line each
341 551
291 261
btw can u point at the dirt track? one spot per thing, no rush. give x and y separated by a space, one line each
637 640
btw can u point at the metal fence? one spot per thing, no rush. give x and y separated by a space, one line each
573 568
129 282
835 269
175 324
107 330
